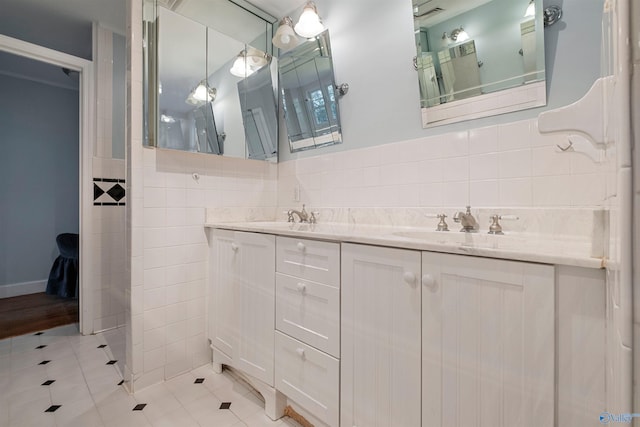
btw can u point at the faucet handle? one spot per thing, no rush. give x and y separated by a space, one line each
313 219
495 227
289 215
442 224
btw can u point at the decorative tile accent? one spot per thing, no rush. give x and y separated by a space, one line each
121 382
102 346
139 406
199 381
116 192
44 362
38 333
108 192
41 346
225 405
112 362
48 382
53 408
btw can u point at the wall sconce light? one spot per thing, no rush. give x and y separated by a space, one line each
285 38
531 9
457 35
309 24
248 62
201 94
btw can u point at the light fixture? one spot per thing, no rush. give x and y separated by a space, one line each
248 62
531 9
457 35
309 25
201 94
285 38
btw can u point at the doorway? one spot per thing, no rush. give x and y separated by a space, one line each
84 70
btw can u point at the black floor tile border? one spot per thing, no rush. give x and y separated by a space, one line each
225 405
53 408
139 407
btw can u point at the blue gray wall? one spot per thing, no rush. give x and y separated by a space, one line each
38 175
373 45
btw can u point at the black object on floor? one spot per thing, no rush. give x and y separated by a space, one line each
63 278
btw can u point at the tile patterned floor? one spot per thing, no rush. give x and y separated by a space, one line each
80 385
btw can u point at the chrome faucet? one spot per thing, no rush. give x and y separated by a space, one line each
303 216
466 219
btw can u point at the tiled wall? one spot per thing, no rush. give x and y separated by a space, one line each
169 273
509 165
108 250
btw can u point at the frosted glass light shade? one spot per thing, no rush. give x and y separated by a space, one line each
240 67
309 24
531 9
285 38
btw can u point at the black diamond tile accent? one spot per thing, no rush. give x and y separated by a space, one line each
121 382
117 192
102 346
199 381
40 346
44 362
53 408
48 382
38 333
139 406
97 191
112 362
225 405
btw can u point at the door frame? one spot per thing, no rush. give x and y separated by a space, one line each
86 147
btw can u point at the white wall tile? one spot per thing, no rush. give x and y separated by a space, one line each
514 164
547 161
483 140
513 136
483 166
516 192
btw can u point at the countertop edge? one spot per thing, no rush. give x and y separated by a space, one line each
573 260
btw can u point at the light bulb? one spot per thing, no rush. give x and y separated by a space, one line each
309 24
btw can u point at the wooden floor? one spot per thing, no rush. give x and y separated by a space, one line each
35 312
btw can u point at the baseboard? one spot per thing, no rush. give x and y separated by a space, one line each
24 288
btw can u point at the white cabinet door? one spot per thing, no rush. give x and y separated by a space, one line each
380 338
256 305
243 300
487 342
223 330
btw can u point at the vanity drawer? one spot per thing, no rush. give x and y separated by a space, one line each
309 377
309 311
309 259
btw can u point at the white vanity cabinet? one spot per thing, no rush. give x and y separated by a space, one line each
487 342
242 315
380 342
308 325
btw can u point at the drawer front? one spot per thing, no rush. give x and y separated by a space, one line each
309 259
309 311
308 377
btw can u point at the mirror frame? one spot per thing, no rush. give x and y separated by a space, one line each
525 96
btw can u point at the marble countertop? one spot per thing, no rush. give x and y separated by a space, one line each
547 249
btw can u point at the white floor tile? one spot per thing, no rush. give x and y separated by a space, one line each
87 389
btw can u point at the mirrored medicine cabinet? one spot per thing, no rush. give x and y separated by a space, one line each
210 78
309 94
478 58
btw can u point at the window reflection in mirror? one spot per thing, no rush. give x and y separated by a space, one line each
201 103
469 50
308 95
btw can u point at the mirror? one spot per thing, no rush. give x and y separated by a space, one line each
215 86
309 95
478 58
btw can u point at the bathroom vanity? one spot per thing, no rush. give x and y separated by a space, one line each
397 326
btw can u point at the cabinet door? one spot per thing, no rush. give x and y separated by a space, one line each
224 259
487 342
380 338
255 287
